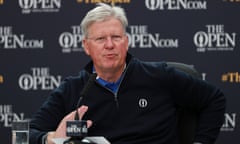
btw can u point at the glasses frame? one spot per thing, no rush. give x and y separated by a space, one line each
116 38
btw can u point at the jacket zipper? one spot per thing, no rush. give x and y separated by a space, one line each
116 100
116 94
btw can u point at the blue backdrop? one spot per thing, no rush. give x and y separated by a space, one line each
40 44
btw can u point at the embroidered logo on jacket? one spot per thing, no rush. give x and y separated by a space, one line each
143 103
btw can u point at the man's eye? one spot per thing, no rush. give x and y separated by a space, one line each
116 37
100 38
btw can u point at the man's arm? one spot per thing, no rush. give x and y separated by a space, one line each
46 137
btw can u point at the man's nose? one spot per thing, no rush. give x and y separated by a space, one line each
109 42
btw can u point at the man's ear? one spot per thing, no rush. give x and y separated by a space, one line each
127 42
85 46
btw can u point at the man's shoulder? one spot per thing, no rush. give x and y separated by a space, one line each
152 64
79 78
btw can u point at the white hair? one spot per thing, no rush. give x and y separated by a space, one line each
101 13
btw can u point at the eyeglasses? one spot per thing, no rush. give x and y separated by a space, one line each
103 39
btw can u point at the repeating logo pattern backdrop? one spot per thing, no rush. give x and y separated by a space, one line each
40 44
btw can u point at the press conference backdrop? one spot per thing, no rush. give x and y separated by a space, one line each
40 45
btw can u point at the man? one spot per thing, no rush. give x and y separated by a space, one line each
131 101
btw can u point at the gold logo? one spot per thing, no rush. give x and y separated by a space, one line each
1 1
231 0
232 77
1 79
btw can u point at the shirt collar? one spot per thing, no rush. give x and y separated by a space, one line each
113 86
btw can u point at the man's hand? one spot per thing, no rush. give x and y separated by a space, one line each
61 130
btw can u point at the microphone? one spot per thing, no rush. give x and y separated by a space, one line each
77 129
84 91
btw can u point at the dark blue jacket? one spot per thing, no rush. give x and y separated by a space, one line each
143 111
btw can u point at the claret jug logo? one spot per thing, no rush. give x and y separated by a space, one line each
29 6
214 39
40 78
71 41
9 40
176 4
204 76
7 116
139 37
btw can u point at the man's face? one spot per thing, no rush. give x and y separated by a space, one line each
106 44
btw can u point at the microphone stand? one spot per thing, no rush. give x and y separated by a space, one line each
78 139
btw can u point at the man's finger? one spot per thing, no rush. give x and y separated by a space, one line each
82 110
